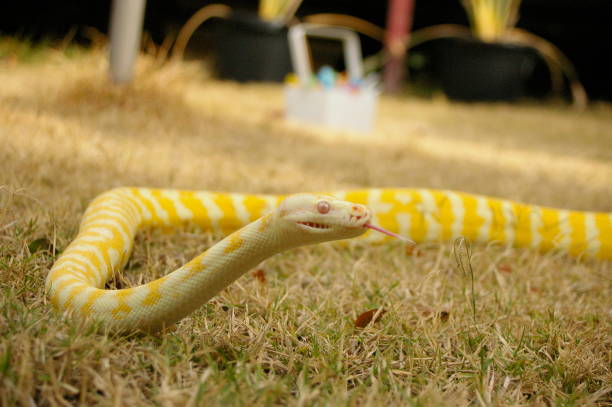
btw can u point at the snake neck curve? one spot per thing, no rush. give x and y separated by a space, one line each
76 281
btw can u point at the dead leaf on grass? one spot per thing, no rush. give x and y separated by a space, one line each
411 250
443 315
369 316
260 275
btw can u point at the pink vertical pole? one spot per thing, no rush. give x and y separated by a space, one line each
399 24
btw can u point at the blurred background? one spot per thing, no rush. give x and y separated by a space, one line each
581 29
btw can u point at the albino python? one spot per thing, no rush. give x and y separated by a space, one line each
271 224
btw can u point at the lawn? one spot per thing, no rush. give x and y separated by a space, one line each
511 327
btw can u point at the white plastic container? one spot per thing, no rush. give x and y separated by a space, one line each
337 108
347 108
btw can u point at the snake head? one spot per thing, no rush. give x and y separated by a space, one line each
319 218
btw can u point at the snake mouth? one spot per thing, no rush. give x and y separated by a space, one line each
314 225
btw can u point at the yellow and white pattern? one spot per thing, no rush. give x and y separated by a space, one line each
104 243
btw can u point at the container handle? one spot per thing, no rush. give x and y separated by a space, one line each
300 58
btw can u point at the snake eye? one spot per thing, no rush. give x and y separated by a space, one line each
323 207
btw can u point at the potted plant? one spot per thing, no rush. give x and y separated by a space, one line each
493 59
490 60
250 46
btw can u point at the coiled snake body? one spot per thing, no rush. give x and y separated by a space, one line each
271 224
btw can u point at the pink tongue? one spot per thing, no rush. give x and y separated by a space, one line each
388 233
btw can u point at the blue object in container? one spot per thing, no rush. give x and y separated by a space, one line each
327 77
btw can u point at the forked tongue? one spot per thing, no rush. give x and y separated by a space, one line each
389 233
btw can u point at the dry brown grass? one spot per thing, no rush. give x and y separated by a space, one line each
523 328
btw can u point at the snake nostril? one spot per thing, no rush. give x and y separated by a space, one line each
358 212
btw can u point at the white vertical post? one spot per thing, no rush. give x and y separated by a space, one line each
125 33
299 52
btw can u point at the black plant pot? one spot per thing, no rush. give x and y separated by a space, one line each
472 70
249 49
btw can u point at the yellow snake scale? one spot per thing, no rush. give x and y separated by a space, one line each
105 239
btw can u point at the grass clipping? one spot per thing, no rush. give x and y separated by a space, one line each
439 324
